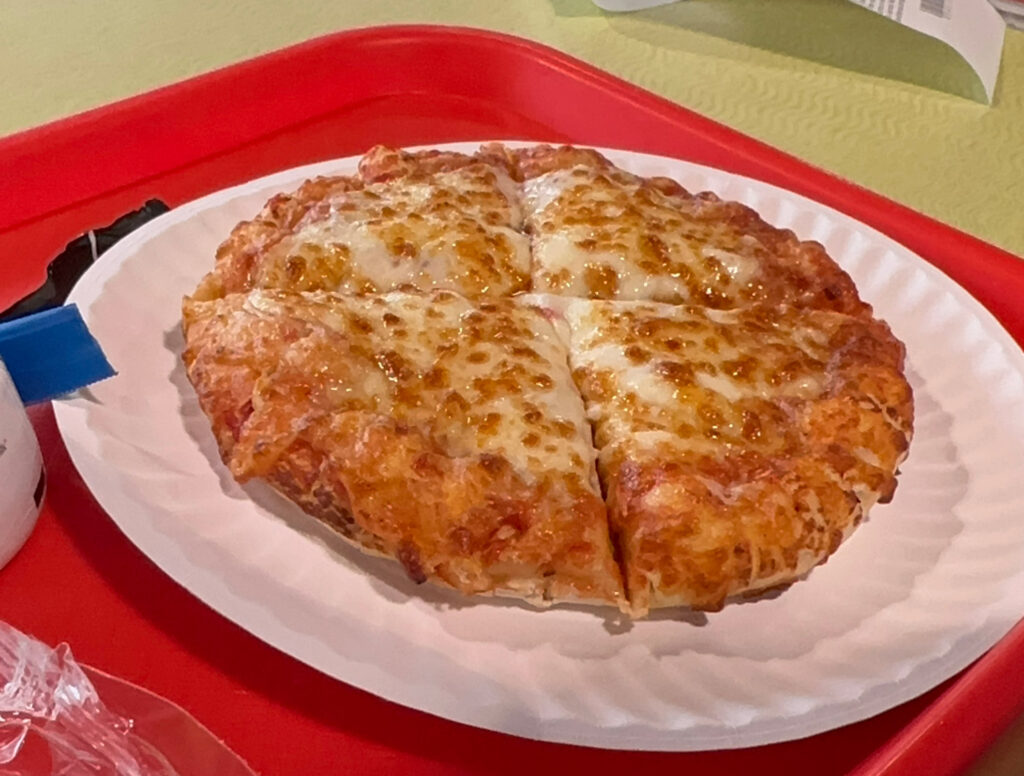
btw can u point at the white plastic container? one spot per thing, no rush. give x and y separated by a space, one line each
22 478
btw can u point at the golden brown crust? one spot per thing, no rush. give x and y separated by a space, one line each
382 163
526 163
685 543
796 272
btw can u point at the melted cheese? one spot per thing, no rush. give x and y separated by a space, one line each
703 382
454 230
741 269
489 378
605 234
541 191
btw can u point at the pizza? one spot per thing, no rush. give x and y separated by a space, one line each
439 431
737 448
601 233
530 373
424 222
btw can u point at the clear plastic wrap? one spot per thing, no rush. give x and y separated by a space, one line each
58 717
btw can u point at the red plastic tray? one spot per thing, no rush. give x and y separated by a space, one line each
79 580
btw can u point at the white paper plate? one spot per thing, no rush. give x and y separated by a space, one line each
921 590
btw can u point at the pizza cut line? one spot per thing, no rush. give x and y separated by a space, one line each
530 373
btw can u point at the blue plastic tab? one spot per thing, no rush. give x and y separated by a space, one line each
51 353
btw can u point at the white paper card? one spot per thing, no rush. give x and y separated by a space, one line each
973 28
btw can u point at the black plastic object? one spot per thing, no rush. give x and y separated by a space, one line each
65 270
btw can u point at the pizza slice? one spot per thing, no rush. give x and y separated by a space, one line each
602 233
737 449
407 222
439 431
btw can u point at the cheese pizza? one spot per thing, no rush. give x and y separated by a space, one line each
529 373
737 448
443 433
408 222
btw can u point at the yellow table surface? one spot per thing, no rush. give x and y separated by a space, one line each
822 79
802 75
